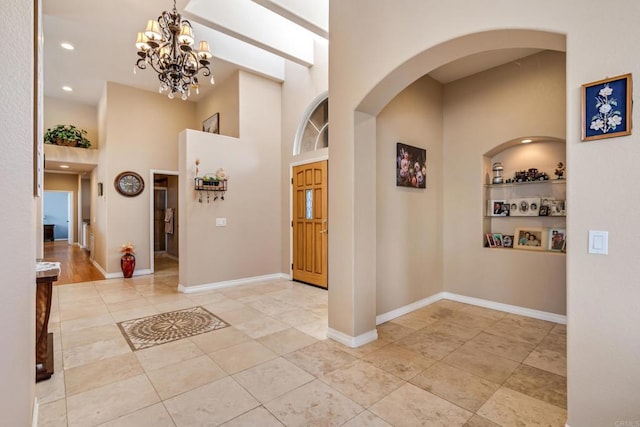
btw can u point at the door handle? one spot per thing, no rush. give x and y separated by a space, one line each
326 229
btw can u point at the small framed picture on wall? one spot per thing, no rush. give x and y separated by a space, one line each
212 124
606 108
411 166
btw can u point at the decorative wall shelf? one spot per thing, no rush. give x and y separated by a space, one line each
211 190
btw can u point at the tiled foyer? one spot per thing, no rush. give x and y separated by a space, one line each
448 364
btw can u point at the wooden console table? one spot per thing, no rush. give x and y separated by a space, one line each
46 274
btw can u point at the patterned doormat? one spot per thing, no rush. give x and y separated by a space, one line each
166 327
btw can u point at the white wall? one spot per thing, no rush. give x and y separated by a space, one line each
410 38
409 220
17 263
250 244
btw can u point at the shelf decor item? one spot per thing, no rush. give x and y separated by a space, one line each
507 241
67 135
524 207
606 108
530 238
411 166
497 169
556 239
128 260
497 208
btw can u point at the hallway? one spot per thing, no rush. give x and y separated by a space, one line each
76 267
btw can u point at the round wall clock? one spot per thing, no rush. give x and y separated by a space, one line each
129 184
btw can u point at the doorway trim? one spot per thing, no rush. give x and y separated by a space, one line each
152 173
319 158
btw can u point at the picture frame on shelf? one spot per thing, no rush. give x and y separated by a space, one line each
556 239
606 108
411 166
490 241
507 241
544 211
212 124
558 208
497 208
530 238
524 207
497 240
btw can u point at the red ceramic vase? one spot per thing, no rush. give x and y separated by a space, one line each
128 264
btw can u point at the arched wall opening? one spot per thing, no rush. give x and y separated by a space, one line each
447 185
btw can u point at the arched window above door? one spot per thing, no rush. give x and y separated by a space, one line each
313 131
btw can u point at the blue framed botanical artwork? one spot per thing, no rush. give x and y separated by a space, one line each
411 166
606 108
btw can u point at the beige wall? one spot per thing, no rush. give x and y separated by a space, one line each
58 111
224 99
418 37
249 245
141 133
17 263
523 98
66 182
408 229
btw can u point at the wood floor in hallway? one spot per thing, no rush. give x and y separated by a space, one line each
76 267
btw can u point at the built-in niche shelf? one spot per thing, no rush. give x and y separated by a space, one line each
538 206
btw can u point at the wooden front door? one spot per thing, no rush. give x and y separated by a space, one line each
310 232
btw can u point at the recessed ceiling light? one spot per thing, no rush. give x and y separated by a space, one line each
64 166
67 88
67 46
526 141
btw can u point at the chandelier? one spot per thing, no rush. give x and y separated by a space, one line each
166 45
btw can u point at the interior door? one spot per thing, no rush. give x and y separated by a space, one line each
310 232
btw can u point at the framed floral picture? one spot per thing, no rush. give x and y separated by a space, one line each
411 166
606 108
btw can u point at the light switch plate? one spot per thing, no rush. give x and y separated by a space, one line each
221 222
598 242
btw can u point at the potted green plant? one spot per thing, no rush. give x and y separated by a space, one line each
68 135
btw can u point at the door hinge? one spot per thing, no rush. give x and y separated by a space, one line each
292 223
291 181
292 266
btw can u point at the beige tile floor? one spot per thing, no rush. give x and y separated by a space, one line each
448 364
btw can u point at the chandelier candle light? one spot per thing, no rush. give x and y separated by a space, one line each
166 45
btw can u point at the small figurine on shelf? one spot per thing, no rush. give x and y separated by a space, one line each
560 171
497 169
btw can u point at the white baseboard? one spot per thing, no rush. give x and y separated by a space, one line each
99 267
390 315
522 311
514 309
36 410
352 342
229 283
120 275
